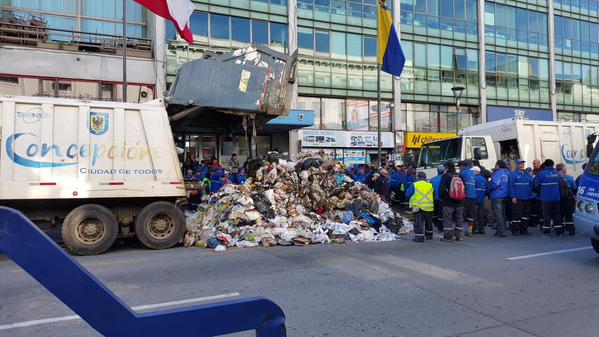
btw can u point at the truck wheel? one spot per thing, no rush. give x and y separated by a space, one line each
89 229
160 225
595 244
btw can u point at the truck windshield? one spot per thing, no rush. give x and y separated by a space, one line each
594 163
437 153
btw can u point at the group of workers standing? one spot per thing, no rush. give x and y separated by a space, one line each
503 199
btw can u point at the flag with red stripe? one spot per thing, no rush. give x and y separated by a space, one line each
177 11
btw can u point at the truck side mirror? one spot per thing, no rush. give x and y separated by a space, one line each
477 153
590 141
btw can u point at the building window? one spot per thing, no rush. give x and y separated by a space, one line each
434 69
198 24
516 27
517 78
310 103
454 19
322 42
219 26
11 80
305 38
240 29
260 32
279 34
62 86
333 114
100 17
439 118
576 37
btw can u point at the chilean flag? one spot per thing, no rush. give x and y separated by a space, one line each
178 11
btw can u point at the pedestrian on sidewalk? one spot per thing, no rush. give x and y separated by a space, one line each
453 203
422 205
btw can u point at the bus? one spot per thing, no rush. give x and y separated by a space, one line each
586 217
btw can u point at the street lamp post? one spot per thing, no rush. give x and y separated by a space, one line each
457 94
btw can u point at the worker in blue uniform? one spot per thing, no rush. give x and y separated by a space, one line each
547 185
568 198
482 190
438 212
521 195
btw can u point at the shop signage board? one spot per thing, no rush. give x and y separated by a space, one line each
355 157
415 140
344 139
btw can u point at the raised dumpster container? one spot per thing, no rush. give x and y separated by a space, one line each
254 79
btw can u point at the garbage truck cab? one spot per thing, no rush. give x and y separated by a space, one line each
454 150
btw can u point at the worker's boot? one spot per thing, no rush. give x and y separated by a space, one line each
418 238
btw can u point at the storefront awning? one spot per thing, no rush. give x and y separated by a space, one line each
296 119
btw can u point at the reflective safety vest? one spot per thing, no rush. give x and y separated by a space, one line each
423 196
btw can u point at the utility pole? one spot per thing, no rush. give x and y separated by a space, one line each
124 50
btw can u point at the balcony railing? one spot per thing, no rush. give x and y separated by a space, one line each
33 31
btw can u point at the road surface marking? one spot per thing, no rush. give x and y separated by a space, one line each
136 308
548 253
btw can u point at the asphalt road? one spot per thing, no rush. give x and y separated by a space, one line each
399 288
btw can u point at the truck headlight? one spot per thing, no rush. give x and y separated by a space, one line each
589 208
580 206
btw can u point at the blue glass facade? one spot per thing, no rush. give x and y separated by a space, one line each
89 16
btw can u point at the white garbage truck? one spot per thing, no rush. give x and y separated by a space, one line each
94 170
511 139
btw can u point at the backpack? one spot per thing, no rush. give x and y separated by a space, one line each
456 189
564 189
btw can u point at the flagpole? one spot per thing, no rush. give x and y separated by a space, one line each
378 111
124 50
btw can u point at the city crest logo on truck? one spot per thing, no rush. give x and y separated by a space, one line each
35 152
98 123
572 156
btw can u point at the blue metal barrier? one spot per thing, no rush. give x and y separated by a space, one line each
64 277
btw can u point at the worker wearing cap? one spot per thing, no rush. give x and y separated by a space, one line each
482 187
520 191
438 212
422 204
469 179
547 186
189 176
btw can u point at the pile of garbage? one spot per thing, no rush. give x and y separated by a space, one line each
293 203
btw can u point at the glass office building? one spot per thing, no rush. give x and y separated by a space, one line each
533 56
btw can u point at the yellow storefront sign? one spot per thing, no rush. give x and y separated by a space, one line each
415 140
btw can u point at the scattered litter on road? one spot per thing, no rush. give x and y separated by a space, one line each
293 203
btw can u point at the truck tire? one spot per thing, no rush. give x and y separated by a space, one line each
89 229
595 244
160 225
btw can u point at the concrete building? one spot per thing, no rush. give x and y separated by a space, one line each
73 48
